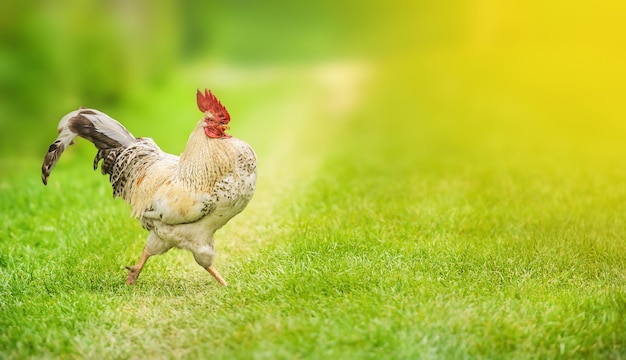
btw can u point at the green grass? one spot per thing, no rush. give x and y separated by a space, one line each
423 223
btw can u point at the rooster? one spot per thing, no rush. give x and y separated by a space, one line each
181 200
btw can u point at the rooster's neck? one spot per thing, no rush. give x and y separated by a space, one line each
205 160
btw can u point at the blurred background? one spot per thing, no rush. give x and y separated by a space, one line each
500 73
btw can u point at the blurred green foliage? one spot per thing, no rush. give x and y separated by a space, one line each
562 57
58 55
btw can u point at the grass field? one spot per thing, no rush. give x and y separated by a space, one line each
406 209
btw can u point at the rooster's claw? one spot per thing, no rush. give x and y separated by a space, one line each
133 274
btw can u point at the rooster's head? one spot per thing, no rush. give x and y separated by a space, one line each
216 117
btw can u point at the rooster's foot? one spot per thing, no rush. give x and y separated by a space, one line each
134 271
133 274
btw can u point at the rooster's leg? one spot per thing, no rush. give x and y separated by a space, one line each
216 275
134 271
204 257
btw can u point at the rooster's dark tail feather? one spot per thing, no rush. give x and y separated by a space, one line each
108 135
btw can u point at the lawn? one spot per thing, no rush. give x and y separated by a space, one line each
442 206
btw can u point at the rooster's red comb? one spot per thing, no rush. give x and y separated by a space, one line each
208 102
